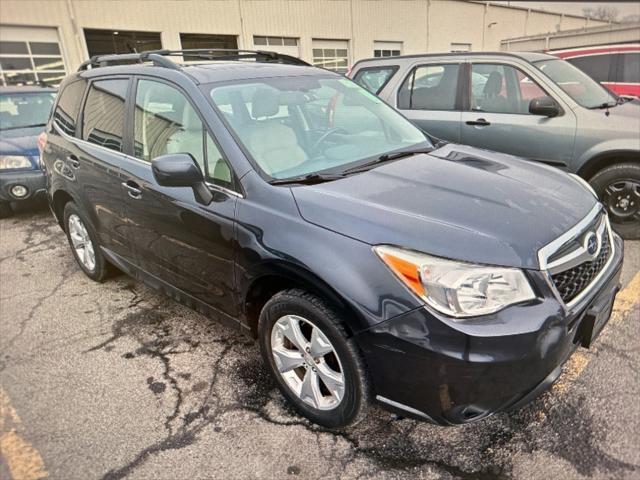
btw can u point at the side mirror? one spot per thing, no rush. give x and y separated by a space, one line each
181 170
545 106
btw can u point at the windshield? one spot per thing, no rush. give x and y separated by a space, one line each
577 84
295 126
20 110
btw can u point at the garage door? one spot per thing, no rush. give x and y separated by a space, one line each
285 45
30 56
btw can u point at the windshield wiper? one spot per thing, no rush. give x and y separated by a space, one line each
388 157
605 105
309 179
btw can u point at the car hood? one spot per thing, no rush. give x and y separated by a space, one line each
457 202
20 141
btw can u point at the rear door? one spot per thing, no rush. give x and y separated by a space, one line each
88 154
431 97
498 118
179 241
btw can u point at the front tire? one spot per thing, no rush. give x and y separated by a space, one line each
618 187
315 365
83 241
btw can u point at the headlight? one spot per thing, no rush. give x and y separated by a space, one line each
14 161
584 183
455 288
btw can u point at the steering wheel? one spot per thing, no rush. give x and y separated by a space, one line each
324 136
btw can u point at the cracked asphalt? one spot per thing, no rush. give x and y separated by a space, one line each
116 381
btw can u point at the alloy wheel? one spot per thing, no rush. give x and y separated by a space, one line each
81 242
622 199
307 362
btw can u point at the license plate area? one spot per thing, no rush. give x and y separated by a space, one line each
594 320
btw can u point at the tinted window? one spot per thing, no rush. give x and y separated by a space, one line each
596 66
502 89
103 117
430 87
629 70
373 79
165 122
68 106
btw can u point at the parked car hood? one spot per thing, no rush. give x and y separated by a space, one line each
20 141
458 202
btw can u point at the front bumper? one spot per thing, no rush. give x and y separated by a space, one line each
33 180
427 366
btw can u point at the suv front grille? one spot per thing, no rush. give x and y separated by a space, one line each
570 283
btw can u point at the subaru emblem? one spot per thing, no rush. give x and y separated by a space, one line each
591 243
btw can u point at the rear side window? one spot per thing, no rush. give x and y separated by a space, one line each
374 78
596 66
166 122
68 106
103 117
628 67
430 87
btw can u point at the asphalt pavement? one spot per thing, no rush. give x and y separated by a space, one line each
115 381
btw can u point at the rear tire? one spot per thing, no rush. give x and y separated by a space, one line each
5 210
329 384
618 187
83 241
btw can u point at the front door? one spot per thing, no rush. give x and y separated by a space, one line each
498 117
179 241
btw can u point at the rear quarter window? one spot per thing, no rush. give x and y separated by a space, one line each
65 115
375 78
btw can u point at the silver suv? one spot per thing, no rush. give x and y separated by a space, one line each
532 105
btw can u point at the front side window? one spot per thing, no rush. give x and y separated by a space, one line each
430 87
23 110
166 122
301 125
578 85
103 116
375 78
497 88
66 113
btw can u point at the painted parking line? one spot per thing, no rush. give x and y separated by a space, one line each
22 460
627 300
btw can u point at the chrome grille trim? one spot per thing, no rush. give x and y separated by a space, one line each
570 261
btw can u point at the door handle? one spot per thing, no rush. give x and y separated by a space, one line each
73 161
481 122
133 189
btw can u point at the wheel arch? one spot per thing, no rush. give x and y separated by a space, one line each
275 277
606 159
58 201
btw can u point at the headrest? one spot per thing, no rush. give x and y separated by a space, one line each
493 85
264 103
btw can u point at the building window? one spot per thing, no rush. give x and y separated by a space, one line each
460 47
102 42
331 54
285 45
197 40
387 49
31 63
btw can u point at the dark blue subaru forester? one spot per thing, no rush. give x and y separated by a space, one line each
443 281
23 114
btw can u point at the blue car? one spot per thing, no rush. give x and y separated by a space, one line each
23 115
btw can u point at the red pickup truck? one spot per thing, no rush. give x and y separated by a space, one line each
617 67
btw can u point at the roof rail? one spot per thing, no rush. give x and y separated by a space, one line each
159 57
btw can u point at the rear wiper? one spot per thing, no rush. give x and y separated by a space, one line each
310 179
387 157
